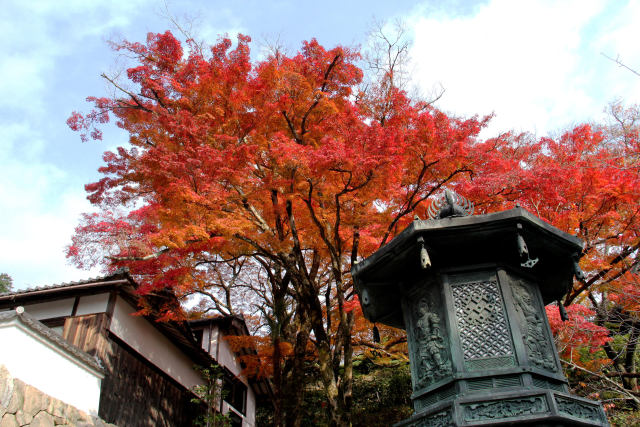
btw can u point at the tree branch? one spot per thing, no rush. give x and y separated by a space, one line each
603 378
138 258
256 215
620 63
292 128
133 97
586 285
303 129
378 347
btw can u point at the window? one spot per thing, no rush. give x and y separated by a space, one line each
235 393
56 324
236 420
197 334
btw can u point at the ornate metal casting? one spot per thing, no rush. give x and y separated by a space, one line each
449 204
579 409
537 342
481 350
425 260
523 250
507 408
433 360
482 324
439 419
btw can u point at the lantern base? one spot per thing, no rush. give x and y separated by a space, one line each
539 408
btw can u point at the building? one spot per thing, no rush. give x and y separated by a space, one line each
70 374
149 366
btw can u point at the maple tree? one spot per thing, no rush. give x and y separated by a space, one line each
283 161
259 184
587 183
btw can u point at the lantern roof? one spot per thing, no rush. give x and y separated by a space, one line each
513 238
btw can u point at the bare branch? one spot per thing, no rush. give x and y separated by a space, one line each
133 97
139 258
603 378
620 63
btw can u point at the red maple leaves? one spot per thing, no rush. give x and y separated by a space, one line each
288 160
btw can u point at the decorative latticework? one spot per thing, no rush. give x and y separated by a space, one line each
482 324
491 363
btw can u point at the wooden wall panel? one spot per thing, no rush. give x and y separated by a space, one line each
134 392
138 394
88 333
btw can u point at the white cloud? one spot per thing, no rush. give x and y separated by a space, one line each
39 212
533 63
211 33
42 201
36 34
45 46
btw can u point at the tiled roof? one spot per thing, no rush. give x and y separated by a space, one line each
50 335
179 333
222 319
120 274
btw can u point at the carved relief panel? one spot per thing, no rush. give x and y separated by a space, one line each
507 408
430 350
538 344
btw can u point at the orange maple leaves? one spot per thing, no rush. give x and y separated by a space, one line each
286 156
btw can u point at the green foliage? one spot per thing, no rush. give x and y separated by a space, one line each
6 282
381 397
264 413
210 394
625 419
315 407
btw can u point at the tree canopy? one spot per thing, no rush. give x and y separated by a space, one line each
291 169
6 282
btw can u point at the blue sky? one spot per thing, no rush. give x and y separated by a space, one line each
536 64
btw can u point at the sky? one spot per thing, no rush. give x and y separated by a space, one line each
537 65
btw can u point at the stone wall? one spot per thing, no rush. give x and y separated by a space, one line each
24 405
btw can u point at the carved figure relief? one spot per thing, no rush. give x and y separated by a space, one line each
433 361
498 409
482 324
439 419
578 409
538 344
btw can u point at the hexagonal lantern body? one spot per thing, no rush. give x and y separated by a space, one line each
470 292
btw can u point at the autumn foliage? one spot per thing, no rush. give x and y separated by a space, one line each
290 163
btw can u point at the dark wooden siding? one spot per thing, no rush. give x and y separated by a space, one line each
134 392
88 333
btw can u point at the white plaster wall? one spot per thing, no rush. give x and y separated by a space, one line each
221 351
247 421
251 408
92 304
50 309
138 333
206 339
32 359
